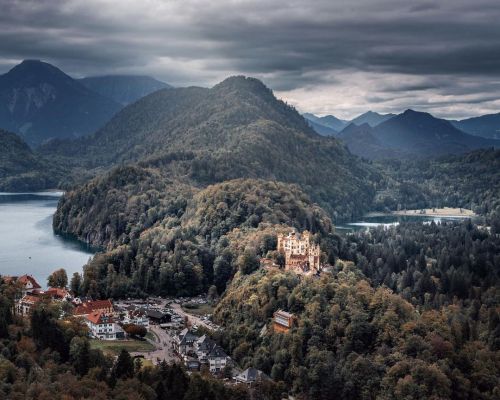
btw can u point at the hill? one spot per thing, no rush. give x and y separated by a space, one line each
487 126
329 121
21 169
39 101
237 129
321 129
470 180
361 140
123 89
167 238
371 118
422 134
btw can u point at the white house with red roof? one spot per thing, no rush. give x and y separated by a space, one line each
25 305
101 326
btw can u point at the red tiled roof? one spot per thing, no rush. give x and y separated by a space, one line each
28 278
93 306
97 318
57 292
28 298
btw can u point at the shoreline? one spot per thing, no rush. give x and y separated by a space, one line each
445 212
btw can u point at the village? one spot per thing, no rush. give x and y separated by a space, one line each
172 330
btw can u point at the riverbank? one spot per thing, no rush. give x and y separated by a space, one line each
445 212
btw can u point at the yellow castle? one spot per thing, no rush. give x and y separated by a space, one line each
301 255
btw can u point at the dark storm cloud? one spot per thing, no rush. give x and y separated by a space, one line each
322 55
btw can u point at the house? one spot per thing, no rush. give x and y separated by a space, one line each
136 317
250 375
158 317
202 347
101 326
92 307
25 305
27 283
301 254
185 341
217 359
59 294
283 321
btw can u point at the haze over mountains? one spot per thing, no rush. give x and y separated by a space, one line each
124 89
378 136
39 102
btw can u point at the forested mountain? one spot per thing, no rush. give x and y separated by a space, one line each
21 169
361 140
330 121
371 118
423 134
39 101
487 126
123 89
236 129
411 134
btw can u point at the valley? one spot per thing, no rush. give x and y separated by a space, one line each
387 283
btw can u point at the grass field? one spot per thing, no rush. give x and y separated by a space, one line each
114 347
197 309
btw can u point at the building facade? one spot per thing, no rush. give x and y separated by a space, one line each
301 254
282 321
101 326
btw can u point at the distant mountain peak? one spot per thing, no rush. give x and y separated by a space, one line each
372 118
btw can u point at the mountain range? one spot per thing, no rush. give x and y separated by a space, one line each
237 129
40 102
411 133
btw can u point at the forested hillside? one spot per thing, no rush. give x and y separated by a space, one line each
174 240
237 129
23 170
416 317
45 357
470 181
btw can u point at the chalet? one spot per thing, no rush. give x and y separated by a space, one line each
101 326
217 359
283 321
25 305
301 254
92 307
251 375
184 342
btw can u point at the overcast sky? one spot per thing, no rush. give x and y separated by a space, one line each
327 56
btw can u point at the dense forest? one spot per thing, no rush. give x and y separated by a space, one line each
48 358
23 170
237 129
177 242
469 181
416 316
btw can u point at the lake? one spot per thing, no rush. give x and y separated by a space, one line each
28 245
389 220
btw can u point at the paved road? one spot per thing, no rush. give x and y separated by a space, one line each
163 347
193 319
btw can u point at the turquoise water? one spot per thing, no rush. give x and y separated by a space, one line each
28 244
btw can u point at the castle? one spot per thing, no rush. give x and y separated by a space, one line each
301 255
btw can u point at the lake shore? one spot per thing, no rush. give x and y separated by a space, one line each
445 212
